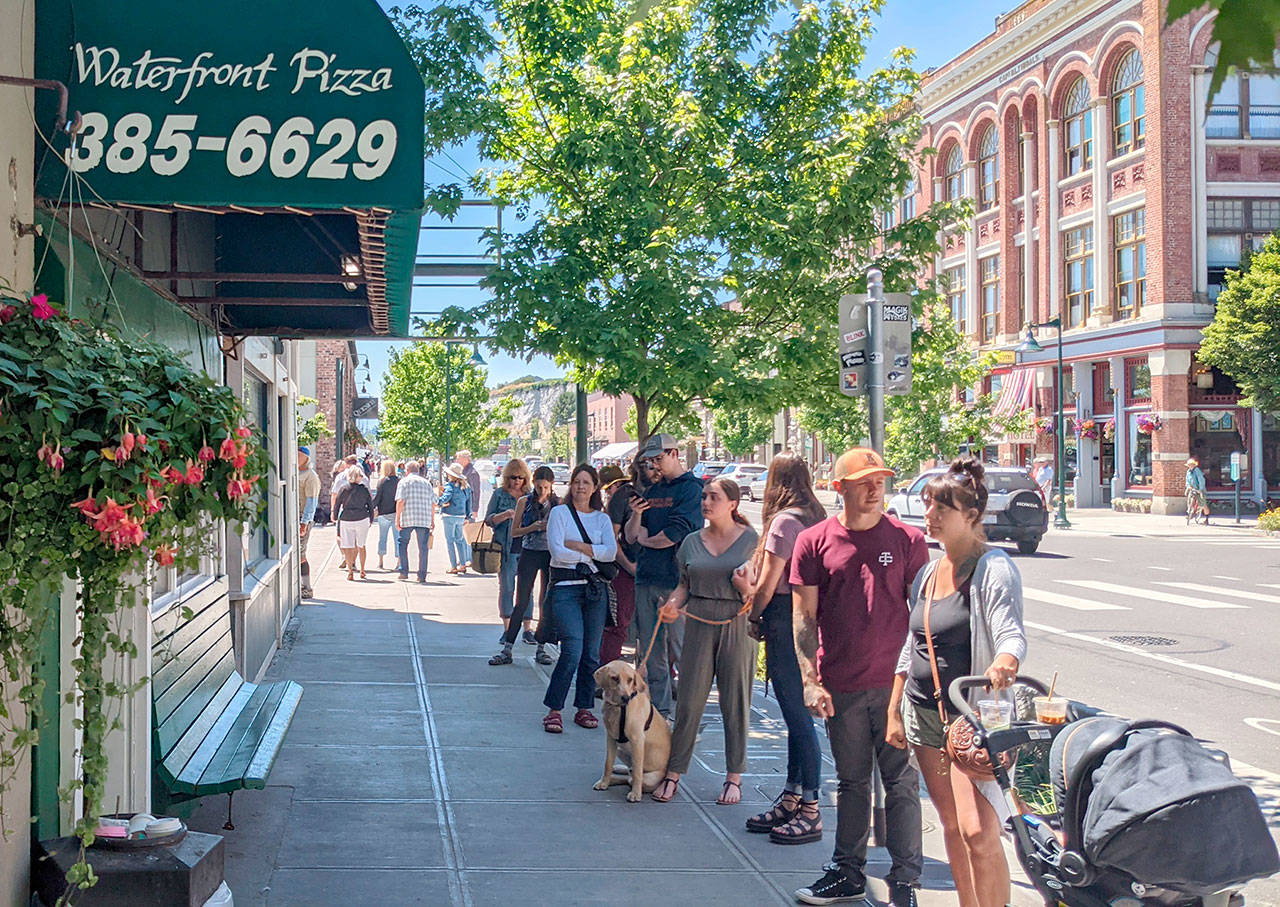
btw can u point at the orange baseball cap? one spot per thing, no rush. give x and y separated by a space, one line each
859 463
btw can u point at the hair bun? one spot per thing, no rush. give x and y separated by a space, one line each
969 466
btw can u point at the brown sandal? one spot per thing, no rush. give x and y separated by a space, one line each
724 790
552 723
585 719
663 786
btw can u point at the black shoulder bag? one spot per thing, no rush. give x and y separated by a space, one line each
607 569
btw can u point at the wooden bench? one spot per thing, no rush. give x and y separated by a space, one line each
212 731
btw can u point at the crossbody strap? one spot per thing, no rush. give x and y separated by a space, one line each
928 641
582 530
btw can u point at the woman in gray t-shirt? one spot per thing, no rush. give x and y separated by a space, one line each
714 578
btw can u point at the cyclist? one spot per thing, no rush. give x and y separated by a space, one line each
1197 502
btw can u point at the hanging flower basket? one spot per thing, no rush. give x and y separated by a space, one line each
1045 425
1109 430
114 453
1087 428
1149 423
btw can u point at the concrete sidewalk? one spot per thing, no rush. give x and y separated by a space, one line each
415 773
1103 521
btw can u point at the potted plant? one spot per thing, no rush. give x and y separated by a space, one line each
1149 423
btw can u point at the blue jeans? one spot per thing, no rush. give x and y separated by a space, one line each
454 542
386 527
804 758
579 613
507 583
424 539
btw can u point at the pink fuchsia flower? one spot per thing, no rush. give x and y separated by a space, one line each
127 441
239 461
56 462
87 506
152 504
40 308
7 313
142 440
195 473
206 454
244 432
164 555
227 449
122 453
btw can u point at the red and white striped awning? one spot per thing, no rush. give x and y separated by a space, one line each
1016 391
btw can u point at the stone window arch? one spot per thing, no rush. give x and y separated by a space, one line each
1128 105
1077 129
953 174
989 169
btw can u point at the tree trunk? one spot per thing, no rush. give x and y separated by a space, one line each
642 419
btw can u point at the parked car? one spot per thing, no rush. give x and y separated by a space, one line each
562 472
755 490
743 474
709 469
1015 509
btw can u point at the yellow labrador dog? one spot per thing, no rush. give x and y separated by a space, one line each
634 728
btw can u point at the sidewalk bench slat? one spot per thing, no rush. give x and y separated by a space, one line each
213 731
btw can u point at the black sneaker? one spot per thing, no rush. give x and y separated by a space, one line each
902 895
543 657
832 888
529 638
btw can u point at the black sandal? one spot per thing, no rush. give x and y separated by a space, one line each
662 786
724 789
777 815
802 829
502 658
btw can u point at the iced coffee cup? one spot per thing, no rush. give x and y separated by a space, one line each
1050 711
996 714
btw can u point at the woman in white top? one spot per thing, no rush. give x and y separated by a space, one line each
579 595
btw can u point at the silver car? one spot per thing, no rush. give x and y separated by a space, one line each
745 474
1015 508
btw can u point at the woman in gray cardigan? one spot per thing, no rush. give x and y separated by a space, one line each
971 599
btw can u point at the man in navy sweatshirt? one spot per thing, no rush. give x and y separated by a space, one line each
669 510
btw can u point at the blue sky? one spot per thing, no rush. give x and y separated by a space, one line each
936 30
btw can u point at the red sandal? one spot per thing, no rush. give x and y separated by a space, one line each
585 719
553 724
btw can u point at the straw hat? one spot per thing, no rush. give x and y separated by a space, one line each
611 474
1043 458
455 470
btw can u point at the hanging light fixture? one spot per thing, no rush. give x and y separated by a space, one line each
476 358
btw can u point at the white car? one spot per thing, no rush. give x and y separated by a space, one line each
744 474
1015 509
755 488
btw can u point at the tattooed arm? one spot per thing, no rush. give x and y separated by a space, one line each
804 620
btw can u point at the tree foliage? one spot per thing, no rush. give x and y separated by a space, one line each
698 182
1246 32
681 426
741 431
1243 340
414 405
933 421
313 429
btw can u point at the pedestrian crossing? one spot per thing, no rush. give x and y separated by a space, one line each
1097 595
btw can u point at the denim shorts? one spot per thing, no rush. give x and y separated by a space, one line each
923 724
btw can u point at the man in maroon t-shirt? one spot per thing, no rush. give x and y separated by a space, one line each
851 576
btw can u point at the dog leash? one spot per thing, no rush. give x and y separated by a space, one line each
746 607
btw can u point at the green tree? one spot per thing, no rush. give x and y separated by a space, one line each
559 445
741 431
564 411
413 402
1246 31
682 426
698 180
933 420
1243 340
312 430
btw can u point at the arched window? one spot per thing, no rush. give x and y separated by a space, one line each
988 169
1128 105
954 172
1077 129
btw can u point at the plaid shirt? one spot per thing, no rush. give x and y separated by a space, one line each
419 501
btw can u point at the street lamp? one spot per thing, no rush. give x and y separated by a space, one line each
1031 345
476 359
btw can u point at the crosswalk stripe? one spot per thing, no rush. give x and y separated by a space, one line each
1069 601
1151 594
1217 590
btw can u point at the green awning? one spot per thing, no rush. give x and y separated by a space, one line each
299 125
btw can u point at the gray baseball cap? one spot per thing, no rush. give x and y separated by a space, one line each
657 444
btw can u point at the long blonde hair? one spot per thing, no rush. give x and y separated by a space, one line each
517 467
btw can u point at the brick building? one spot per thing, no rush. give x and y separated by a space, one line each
606 419
1103 198
322 361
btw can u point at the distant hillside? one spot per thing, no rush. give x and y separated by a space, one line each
534 397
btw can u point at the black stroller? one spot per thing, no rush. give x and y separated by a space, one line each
1147 815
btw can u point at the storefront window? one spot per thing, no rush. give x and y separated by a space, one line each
1270 449
1139 455
1215 435
1139 381
257 540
